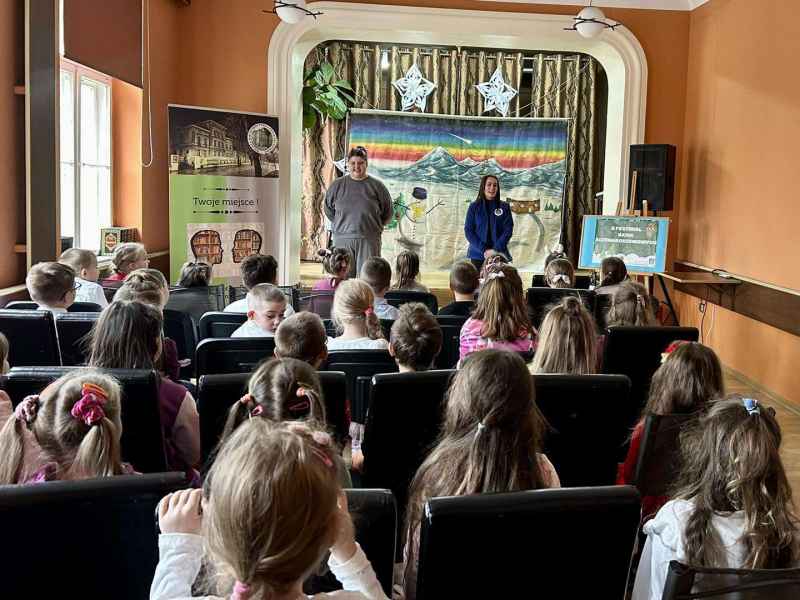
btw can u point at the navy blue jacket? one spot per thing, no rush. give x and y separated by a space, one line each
480 217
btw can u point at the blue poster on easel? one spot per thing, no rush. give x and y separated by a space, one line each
641 242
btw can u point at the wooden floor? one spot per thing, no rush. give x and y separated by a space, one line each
788 414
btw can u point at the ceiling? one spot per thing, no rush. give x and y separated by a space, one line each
645 4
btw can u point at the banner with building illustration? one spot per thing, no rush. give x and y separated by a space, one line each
448 156
223 188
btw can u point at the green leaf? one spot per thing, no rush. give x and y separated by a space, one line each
343 83
308 95
309 120
347 97
327 71
321 109
339 105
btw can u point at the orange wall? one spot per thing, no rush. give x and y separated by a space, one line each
126 115
739 188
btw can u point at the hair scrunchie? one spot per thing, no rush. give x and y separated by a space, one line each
27 409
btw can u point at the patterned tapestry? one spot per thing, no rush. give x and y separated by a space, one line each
448 156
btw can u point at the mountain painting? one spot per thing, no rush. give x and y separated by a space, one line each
448 156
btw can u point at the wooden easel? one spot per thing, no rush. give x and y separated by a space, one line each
630 211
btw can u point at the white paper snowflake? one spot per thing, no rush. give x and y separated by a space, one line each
497 93
342 165
414 88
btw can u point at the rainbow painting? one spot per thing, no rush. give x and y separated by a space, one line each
447 156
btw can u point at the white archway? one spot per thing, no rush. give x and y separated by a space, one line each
618 51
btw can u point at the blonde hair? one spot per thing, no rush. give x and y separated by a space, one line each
5 349
630 305
556 271
406 269
49 282
126 254
148 286
567 340
731 462
301 336
262 293
81 450
78 259
501 305
353 302
271 509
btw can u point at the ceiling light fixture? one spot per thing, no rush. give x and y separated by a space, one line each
591 22
293 11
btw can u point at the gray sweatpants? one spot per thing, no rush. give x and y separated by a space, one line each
362 249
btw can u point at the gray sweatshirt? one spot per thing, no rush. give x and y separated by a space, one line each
358 208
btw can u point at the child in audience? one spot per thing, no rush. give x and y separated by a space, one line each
567 340
464 284
336 262
52 286
416 338
559 273
491 441
378 275
629 305
128 335
84 263
272 506
302 336
256 269
5 350
267 308
354 315
733 508
687 381
71 430
406 270
195 274
127 257
612 273
500 319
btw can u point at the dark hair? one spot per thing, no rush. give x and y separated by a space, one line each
358 151
555 269
377 273
464 277
612 271
416 337
195 274
335 259
406 267
126 336
689 378
259 268
301 336
49 282
482 191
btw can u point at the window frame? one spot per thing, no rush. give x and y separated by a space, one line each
79 71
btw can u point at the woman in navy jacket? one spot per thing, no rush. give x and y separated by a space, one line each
489 224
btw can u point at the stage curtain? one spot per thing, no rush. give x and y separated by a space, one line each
561 86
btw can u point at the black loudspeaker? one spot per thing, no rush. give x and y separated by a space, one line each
655 179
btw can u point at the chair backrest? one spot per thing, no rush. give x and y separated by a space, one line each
399 297
232 355
217 393
359 363
102 529
658 463
74 332
524 540
404 418
582 282
32 337
590 419
220 324
142 437
636 352
74 307
182 329
451 340
196 301
541 299
375 520
319 302
730 584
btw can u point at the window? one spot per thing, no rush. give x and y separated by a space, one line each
85 154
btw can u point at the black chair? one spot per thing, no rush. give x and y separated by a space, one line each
220 324
636 352
142 438
182 329
318 302
399 297
590 419
730 584
32 337
375 519
101 531
217 393
512 544
404 418
451 341
359 363
582 282
74 333
74 307
216 356
541 299
658 462
196 301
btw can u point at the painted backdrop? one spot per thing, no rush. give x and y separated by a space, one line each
448 156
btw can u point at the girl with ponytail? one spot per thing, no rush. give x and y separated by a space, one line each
733 506
630 305
490 442
567 340
354 316
71 430
336 262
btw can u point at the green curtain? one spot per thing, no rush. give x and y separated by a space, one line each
562 86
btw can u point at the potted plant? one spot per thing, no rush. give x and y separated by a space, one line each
324 96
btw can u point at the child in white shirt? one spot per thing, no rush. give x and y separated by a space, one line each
354 315
52 286
257 269
84 263
378 274
266 308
